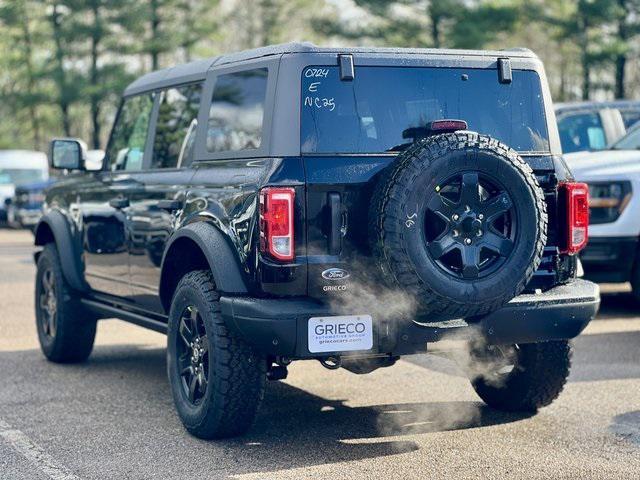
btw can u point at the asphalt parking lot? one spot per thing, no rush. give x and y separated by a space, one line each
113 416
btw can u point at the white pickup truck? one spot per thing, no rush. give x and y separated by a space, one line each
592 126
613 176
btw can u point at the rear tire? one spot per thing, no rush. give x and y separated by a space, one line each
540 371
216 378
66 331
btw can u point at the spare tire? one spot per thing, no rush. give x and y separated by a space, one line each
459 222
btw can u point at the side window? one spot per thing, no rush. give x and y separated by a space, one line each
631 141
237 111
126 148
582 131
175 129
630 117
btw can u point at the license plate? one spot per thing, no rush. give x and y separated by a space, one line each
340 334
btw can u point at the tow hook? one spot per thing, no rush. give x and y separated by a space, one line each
331 363
277 372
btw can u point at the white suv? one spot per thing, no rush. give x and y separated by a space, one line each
613 176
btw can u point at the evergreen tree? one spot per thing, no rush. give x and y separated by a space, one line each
451 23
583 23
67 92
627 30
96 23
22 91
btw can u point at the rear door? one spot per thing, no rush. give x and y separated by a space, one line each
158 192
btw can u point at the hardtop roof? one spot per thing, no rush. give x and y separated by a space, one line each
196 70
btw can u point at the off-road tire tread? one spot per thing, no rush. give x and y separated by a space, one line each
240 375
395 265
75 326
545 367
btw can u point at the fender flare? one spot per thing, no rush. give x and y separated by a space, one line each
68 249
223 261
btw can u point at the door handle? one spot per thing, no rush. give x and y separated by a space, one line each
169 205
119 202
335 232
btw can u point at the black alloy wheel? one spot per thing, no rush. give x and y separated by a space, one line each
48 304
471 225
193 355
66 330
217 379
459 222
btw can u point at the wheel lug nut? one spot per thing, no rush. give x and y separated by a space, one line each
480 217
456 233
455 217
467 241
479 233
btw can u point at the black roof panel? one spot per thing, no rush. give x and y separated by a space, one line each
197 70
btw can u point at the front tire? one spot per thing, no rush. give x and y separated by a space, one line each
66 331
521 378
217 380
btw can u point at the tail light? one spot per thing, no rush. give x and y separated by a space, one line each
276 222
577 216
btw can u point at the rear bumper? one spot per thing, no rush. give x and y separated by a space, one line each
279 326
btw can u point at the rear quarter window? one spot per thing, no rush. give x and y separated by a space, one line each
382 106
237 111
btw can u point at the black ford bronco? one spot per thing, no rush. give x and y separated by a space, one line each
345 205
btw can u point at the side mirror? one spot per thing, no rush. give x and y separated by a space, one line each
67 154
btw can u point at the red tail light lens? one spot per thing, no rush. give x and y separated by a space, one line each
577 202
276 222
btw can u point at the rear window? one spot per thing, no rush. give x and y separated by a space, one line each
381 108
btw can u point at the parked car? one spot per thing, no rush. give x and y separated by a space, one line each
587 126
18 167
25 208
613 176
345 205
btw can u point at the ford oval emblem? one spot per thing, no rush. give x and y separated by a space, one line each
335 274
